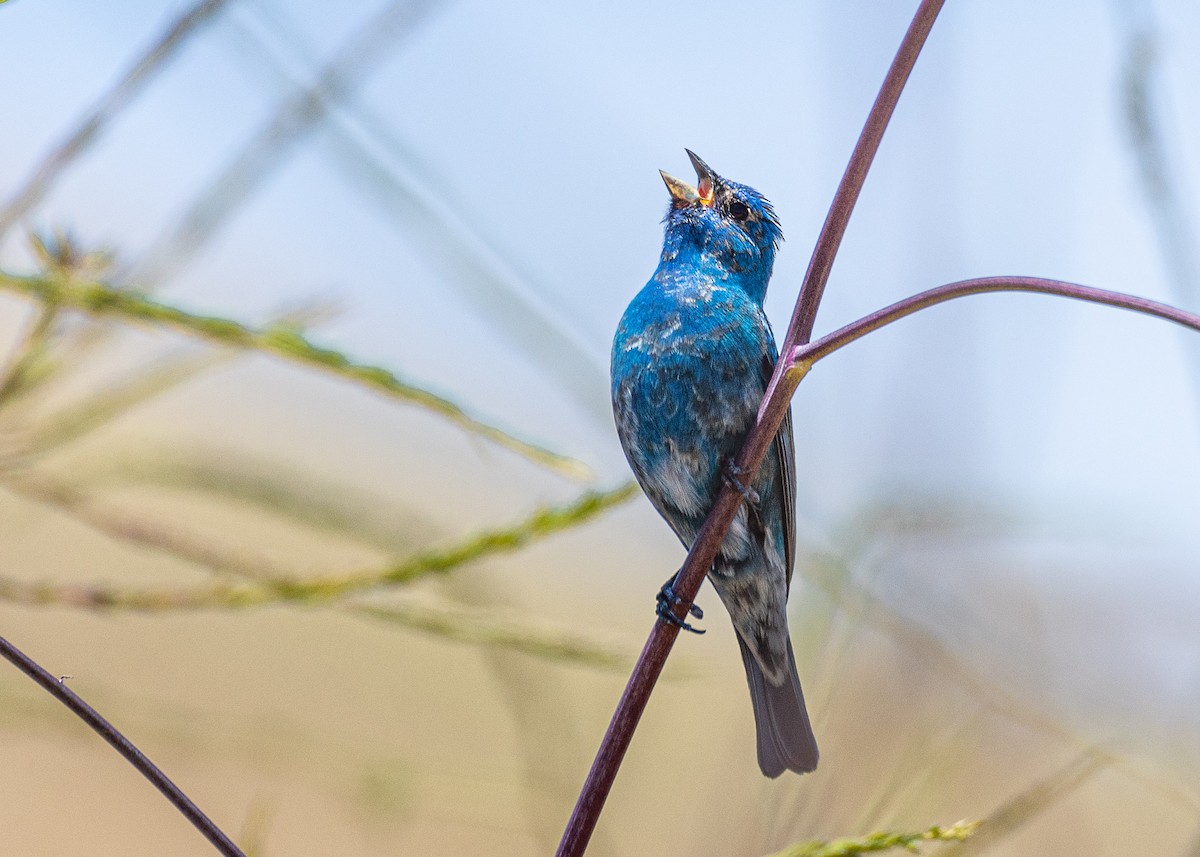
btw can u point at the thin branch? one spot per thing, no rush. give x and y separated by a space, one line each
486 627
22 371
105 110
299 113
1158 176
877 842
775 406
245 594
788 375
837 575
79 419
1163 184
59 256
137 530
51 349
59 690
293 494
474 626
1035 800
76 422
830 240
389 174
804 356
100 300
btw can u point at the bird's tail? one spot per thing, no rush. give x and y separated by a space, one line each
785 736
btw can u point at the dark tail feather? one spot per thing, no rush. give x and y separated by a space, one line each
785 736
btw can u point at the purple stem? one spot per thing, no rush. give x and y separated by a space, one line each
830 240
775 404
806 355
59 690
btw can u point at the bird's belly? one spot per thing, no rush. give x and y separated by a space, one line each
678 420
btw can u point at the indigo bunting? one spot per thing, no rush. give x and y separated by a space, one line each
690 362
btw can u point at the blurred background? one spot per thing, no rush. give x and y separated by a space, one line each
995 606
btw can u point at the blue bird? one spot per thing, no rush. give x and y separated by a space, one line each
690 362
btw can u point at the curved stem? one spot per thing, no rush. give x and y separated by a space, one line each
834 228
58 689
775 405
806 355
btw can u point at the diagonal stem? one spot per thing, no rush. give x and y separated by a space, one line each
100 299
799 357
59 690
775 406
257 588
299 114
15 380
830 239
105 110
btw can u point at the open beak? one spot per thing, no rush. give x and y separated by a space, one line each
684 193
680 191
704 177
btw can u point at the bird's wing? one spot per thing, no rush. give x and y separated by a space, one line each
785 454
785 448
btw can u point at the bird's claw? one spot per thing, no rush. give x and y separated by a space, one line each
734 475
668 600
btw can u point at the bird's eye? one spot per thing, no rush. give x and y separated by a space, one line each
738 210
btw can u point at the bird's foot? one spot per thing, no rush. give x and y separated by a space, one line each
734 476
668 601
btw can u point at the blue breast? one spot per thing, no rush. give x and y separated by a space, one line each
687 368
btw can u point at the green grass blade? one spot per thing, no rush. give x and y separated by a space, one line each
282 340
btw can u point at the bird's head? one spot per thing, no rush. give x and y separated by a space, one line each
732 223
